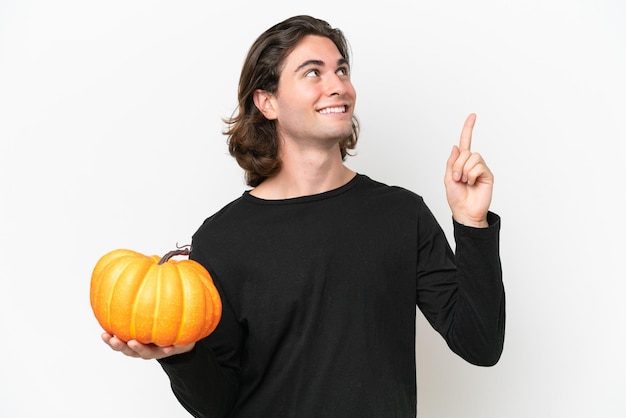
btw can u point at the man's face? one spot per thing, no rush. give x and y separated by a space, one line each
315 100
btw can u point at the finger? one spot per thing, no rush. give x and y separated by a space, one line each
460 165
106 337
118 345
465 142
112 341
475 169
150 351
454 154
142 350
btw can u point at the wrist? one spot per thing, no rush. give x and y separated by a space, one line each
471 222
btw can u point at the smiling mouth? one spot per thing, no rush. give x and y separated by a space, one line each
335 109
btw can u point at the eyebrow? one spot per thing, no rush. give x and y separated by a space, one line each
307 63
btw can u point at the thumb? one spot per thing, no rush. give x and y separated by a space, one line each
454 154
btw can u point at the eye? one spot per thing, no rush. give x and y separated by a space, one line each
312 73
343 71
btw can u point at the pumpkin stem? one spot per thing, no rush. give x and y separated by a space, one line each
182 250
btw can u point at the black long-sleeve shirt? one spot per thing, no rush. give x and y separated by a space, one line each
319 304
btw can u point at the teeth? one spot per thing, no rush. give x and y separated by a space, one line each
338 109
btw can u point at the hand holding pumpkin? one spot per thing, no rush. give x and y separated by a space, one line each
153 301
134 348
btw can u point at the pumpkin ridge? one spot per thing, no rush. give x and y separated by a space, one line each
207 302
183 303
105 262
157 304
133 317
200 282
171 296
97 281
212 295
212 298
208 296
116 280
199 275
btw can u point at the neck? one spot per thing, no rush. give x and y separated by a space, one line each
305 173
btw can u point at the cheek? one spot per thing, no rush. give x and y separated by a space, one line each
298 100
351 91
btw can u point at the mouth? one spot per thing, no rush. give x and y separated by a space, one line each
333 109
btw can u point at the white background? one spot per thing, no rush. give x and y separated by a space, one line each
110 127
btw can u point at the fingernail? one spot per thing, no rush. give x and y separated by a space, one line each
456 176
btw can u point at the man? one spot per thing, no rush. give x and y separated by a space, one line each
320 269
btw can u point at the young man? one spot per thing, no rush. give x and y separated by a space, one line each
320 269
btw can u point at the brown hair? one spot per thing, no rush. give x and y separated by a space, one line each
252 139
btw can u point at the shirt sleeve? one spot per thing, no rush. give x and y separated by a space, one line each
461 293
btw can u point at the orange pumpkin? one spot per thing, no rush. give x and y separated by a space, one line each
156 300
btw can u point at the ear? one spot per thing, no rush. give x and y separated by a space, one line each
264 101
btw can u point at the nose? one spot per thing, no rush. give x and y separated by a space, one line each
336 85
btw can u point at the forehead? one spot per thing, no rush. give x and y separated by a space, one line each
313 48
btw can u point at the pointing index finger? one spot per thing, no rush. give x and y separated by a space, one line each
466 134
